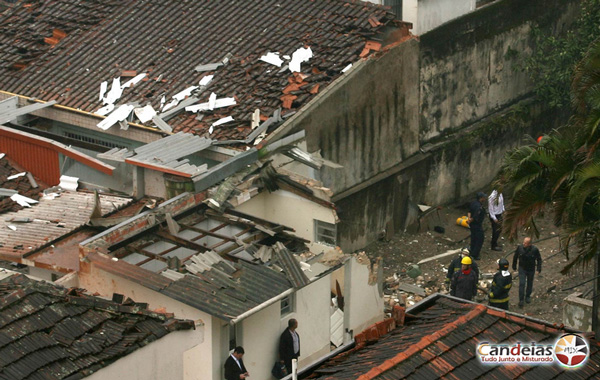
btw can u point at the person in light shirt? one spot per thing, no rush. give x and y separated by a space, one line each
496 209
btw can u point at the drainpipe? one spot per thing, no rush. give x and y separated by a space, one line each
261 306
294 369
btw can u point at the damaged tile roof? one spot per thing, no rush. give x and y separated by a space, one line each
25 231
50 332
438 340
64 50
224 264
23 185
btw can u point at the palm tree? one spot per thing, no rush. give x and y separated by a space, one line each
561 173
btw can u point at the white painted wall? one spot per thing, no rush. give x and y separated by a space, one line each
291 210
159 360
199 363
363 302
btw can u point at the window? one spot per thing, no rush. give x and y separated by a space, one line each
287 305
92 140
325 232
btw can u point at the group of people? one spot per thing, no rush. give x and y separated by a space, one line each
463 272
289 349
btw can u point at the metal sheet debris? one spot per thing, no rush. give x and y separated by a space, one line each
272 58
145 113
22 200
68 183
183 94
299 56
219 103
103 87
119 114
115 92
161 124
206 80
347 68
134 81
15 176
106 109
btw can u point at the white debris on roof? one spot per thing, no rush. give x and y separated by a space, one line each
346 68
206 80
68 183
115 92
145 113
2 155
162 102
170 105
299 56
212 99
135 80
287 57
103 87
23 201
119 114
219 122
272 58
15 176
255 118
219 103
14 228
187 92
106 109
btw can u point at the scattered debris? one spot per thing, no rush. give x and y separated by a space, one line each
299 56
134 81
347 68
145 114
15 176
273 59
120 114
68 183
22 200
206 80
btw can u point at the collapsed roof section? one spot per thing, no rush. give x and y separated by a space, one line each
224 264
221 70
51 332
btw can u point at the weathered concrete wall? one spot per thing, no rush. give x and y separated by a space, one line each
468 67
577 312
368 121
474 106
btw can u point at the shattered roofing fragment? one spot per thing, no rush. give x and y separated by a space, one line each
77 53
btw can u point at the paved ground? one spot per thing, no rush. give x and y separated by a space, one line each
548 292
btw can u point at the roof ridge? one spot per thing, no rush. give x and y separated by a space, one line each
423 343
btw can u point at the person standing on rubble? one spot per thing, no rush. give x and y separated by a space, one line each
456 266
476 216
528 257
464 282
501 286
496 209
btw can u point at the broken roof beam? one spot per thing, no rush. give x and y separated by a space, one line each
224 170
13 114
181 241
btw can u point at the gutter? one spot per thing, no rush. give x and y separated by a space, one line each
263 305
86 113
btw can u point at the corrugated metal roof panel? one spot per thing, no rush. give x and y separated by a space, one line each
52 219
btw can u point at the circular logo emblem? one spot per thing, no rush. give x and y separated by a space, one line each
571 350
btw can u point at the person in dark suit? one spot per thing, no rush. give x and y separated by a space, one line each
234 365
289 344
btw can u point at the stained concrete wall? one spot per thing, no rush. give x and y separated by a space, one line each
467 78
577 312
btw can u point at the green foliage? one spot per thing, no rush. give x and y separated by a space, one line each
562 171
553 60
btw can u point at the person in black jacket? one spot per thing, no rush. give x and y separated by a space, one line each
289 345
476 216
456 266
501 286
464 282
528 257
234 365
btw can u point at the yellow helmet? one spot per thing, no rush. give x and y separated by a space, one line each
466 260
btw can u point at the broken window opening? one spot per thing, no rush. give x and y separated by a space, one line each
325 233
288 305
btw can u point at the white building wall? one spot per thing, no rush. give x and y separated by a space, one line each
291 210
199 362
161 359
363 302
